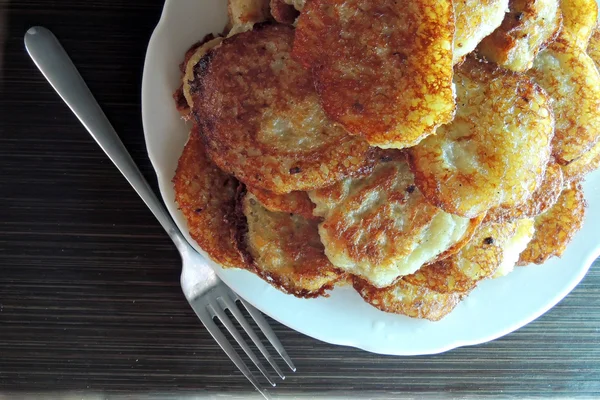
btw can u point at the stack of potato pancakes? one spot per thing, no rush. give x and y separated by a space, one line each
409 148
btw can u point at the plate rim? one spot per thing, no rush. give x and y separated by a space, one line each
587 261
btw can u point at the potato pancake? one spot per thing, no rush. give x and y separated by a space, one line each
261 116
540 201
579 19
528 27
590 160
286 250
496 149
593 49
571 79
555 228
380 227
408 299
382 69
206 197
478 260
475 19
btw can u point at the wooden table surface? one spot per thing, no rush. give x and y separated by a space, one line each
89 283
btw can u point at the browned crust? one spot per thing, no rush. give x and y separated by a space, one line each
555 228
540 201
506 164
299 264
283 13
593 49
242 92
478 260
379 67
408 299
206 197
570 78
521 20
588 162
579 19
180 101
293 202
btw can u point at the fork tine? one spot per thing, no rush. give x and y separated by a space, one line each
268 332
238 338
230 304
213 329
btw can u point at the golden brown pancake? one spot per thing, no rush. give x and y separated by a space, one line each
382 69
436 289
408 299
206 197
380 227
579 19
555 228
475 19
571 79
293 202
286 251
262 119
478 260
540 201
593 49
496 149
528 27
182 96
590 160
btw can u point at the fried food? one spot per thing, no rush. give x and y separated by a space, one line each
475 19
293 202
262 119
579 19
571 79
243 14
283 12
408 299
593 49
555 228
190 63
286 251
515 246
478 260
528 27
206 197
496 149
380 227
382 69
590 160
435 289
182 95
540 201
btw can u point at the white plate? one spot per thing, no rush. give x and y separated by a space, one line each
495 308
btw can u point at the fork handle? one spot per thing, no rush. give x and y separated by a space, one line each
56 66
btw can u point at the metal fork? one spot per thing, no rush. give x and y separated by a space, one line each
206 293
